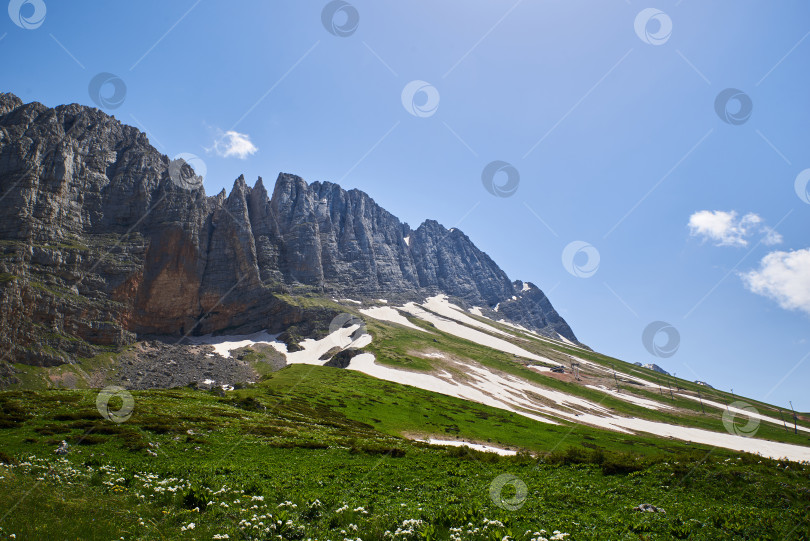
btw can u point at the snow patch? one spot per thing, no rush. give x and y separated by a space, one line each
442 383
566 340
517 395
407 240
770 449
540 367
440 305
224 344
314 349
627 397
391 315
457 329
526 286
744 414
476 311
476 446
606 369
515 326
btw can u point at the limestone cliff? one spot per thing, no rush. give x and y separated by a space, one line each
102 239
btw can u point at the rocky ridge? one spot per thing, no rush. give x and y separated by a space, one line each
103 239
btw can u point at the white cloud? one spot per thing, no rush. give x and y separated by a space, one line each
726 229
232 143
772 236
783 277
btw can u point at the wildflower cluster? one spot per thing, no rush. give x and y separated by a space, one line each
409 529
541 535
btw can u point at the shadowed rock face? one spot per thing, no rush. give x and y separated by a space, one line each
98 245
345 244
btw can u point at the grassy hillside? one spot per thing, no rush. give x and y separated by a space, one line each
400 347
314 452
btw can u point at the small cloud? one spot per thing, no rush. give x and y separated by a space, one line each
772 236
783 277
232 143
726 229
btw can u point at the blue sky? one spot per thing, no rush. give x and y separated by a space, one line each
615 135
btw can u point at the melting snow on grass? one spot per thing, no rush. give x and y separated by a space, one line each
742 412
440 305
644 402
517 327
314 349
391 315
511 393
499 389
476 446
457 329
540 367
224 344
442 383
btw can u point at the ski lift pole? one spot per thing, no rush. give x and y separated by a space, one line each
700 398
783 420
795 428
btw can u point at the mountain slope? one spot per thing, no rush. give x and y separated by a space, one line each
104 239
301 457
106 243
436 346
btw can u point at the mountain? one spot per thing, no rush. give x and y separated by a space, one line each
654 367
103 240
302 364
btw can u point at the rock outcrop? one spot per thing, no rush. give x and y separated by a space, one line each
103 239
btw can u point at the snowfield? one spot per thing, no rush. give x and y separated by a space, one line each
644 402
515 395
440 305
744 413
455 328
471 380
442 383
314 349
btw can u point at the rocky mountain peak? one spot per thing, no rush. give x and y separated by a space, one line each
91 208
259 186
9 102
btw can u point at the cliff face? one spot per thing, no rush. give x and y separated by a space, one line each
103 239
344 243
